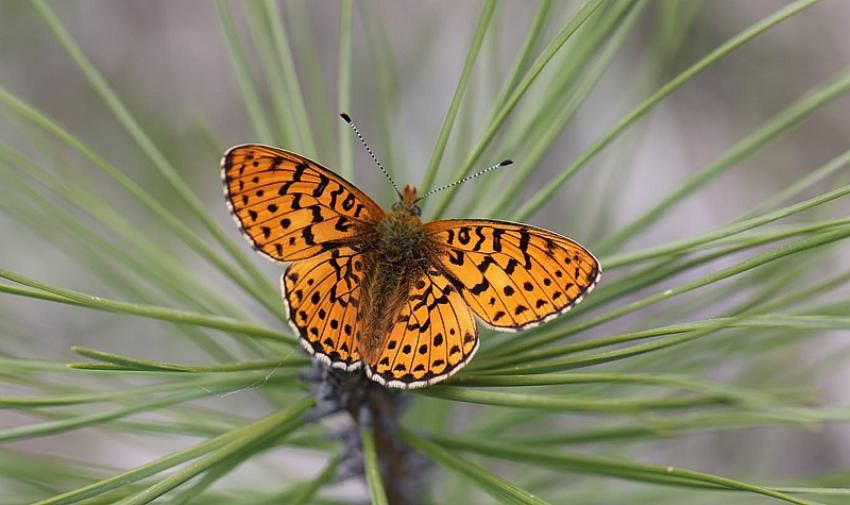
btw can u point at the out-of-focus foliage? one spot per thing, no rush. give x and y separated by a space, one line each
700 148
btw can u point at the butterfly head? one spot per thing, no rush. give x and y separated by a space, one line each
408 203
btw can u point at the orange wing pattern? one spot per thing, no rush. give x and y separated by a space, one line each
290 208
434 336
513 276
322 295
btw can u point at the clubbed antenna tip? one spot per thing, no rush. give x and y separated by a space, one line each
468 178
348 120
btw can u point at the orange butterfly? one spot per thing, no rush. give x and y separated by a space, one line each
383 290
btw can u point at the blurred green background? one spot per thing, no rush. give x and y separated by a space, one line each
198 77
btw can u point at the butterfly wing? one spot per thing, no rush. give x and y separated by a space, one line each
291 208
433 337
511 275
322 295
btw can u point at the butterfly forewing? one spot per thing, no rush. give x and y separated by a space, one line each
512 275
434 335
292 208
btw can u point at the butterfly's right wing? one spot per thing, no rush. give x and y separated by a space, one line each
434 335
513 275
291 208
322 295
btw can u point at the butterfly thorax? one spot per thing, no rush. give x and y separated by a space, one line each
400 238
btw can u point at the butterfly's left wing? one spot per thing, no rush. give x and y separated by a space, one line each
322 296
513 275
291 208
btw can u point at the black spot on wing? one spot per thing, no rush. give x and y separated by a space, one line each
323 184
480 287
336 194
485 264
349 202
478 233
497 239
343 224
524 238
456 257
307 234
463 235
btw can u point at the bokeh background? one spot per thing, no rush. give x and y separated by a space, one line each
169 63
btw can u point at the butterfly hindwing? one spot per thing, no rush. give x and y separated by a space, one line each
322 295
512 275
434 336
290 207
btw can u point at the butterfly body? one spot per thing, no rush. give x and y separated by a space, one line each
381 289
395 257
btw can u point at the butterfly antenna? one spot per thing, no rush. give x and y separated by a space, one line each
348 120
468 178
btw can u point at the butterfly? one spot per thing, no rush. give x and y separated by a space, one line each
381 289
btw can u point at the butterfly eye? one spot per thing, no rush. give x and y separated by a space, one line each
397 206
416 210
